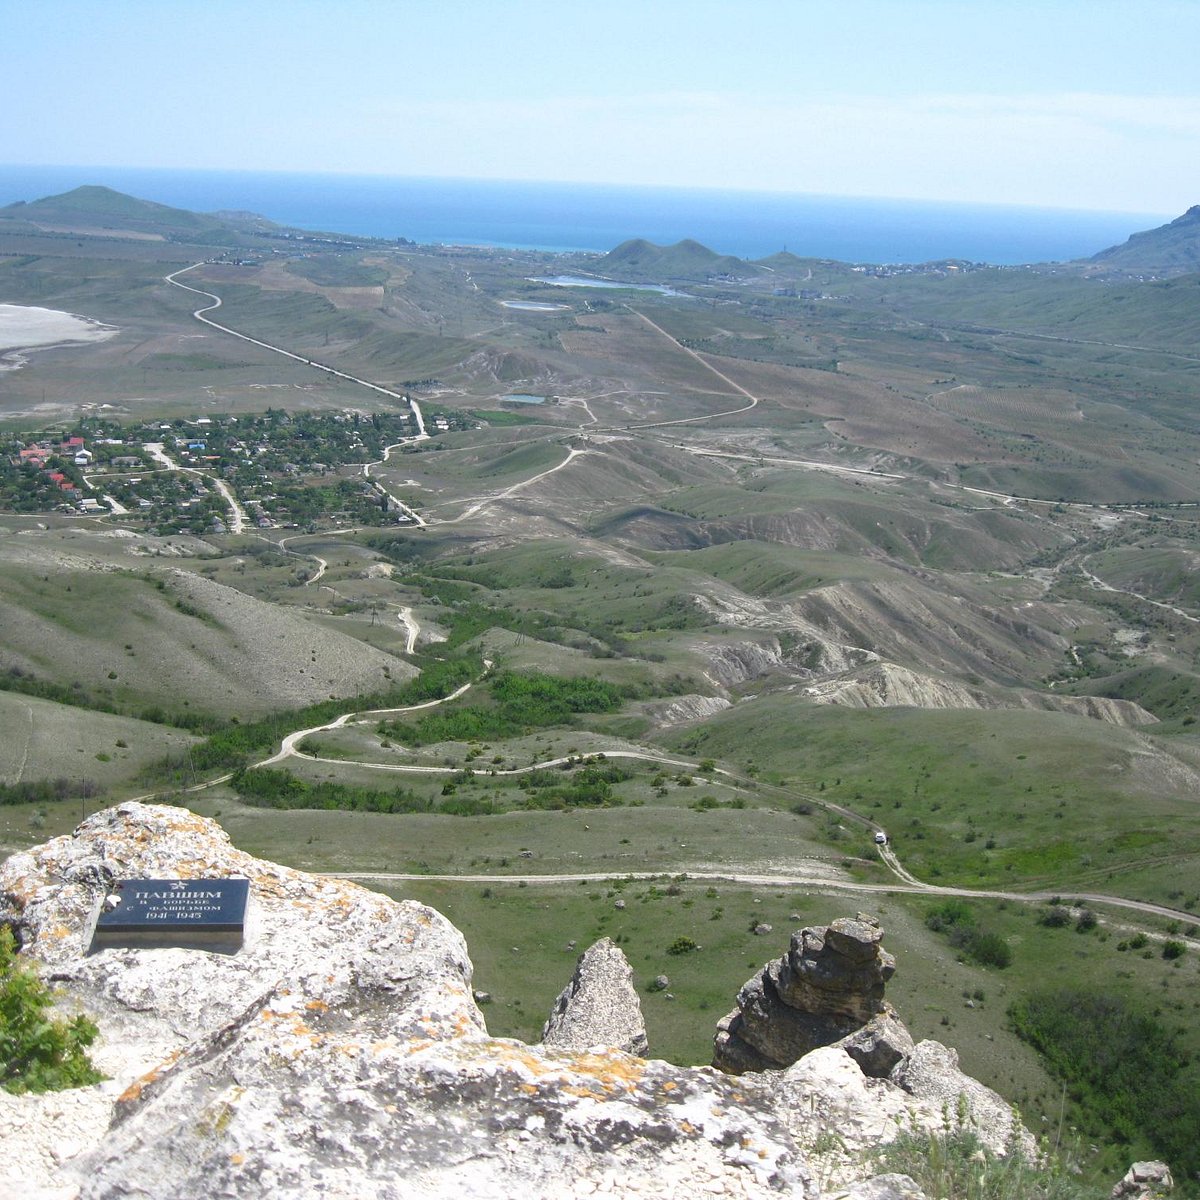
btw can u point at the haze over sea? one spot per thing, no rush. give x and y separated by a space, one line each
570 216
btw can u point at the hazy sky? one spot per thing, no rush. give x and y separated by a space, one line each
1077 103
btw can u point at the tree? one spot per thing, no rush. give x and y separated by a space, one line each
38 1052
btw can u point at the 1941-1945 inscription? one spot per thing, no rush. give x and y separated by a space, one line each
205 914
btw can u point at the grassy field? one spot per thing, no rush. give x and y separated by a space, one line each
1007 799
45 740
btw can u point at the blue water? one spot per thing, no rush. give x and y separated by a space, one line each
560 216
585 281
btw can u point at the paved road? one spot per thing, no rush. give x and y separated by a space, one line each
309 362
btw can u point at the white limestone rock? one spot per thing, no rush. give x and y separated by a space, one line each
600 1005
931 1073
1145 1181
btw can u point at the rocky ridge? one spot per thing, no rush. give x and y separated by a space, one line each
340 1053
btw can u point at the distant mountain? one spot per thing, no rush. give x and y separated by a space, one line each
1169 249
100 210
688 259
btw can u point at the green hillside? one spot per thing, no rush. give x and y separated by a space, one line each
96 209
688 259
1172 248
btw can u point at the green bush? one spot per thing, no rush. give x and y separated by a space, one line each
1055 917
956 920
38 1052
267 787
1130 1080
521 701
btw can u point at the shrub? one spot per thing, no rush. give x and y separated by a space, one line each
988 949
1130 1078
1055 917
38 1053
955 1165
682 945
956 920
951 912
1173 949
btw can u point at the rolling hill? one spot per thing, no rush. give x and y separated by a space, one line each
640 259
93 210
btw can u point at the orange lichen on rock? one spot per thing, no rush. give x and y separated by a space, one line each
134 1091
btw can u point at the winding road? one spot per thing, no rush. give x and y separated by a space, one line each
737 387
421 435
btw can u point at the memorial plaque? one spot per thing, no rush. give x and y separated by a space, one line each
201 914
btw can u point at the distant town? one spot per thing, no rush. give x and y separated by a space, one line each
215 474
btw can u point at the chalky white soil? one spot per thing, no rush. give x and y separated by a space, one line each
24 328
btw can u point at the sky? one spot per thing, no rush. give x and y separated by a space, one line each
1065 103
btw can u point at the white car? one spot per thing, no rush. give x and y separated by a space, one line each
880 838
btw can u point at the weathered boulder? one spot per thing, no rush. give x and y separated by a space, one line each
1145 1181
931 1073
600 1006
841 1117
339 1054
879 1045
828 986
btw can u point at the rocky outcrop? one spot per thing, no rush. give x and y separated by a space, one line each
1145 1181
931 1073
680 710
880 1045
340 1053
882 1187
827 987
819 1013
600 1006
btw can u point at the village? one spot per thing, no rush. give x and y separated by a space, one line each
214 474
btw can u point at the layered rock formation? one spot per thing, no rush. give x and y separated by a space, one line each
828 986
340 1053
819 1014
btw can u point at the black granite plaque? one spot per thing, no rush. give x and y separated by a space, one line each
203 914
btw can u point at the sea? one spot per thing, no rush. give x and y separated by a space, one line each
565 217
